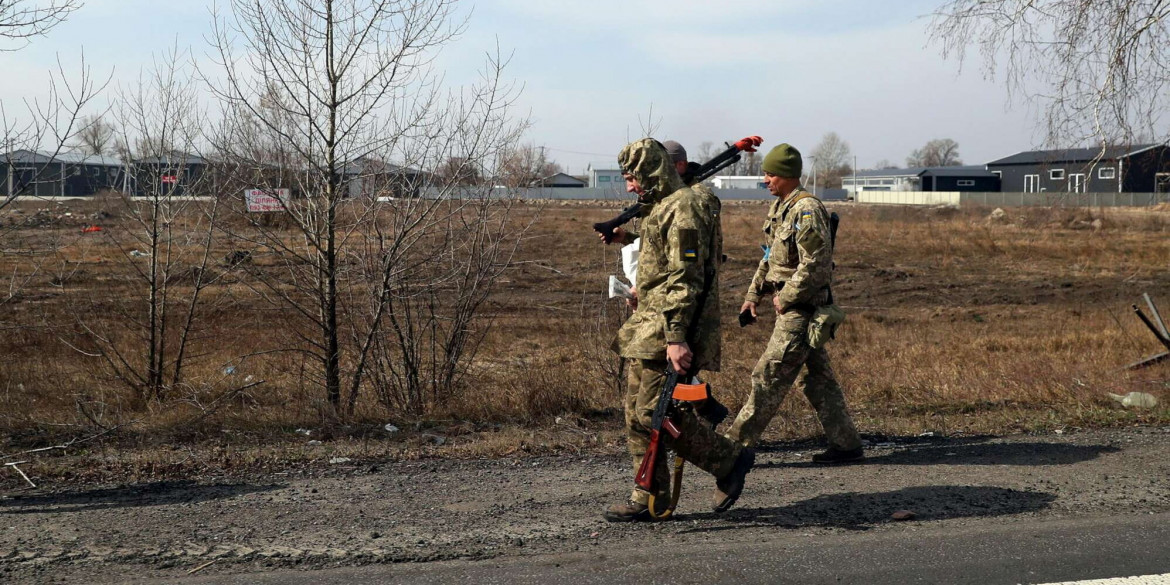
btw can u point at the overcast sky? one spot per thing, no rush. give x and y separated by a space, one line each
593 71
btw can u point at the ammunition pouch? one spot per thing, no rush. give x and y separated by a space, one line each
823 325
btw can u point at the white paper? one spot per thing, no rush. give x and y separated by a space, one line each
630 261
617 288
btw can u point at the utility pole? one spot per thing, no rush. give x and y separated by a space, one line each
855 177
814 174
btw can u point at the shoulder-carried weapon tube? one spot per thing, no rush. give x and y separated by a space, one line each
702 173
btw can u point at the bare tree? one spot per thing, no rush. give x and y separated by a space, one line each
1099 70
525 165
884 164
143 334
940 152
749 163
36 132
315 91
705 152
21 20
96 136
831 160
460 171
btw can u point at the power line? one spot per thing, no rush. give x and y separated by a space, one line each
578 152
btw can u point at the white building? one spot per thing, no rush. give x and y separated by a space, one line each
606 176
884 180
738 182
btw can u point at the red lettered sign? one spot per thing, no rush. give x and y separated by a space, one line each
265 200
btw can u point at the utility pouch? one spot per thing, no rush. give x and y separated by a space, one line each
823 325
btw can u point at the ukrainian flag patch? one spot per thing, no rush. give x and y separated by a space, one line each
688 245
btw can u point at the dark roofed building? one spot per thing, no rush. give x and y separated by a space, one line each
958 178
965 178
172 174
561 180
64 174
371 177
1117 169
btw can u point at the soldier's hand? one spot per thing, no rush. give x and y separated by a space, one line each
780 310
619 236
679 355
749 306
633 302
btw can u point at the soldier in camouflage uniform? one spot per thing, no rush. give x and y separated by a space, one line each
677 270
685 168
797 270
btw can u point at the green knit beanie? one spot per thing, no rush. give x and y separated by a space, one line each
783 161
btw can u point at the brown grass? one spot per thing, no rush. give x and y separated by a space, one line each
957 324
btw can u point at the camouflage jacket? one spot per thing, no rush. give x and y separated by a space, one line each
798 264
680 255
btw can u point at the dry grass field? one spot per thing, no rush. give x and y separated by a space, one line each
957 324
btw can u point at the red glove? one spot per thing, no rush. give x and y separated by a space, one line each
749 144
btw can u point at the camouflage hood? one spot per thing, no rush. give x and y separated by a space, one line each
646 160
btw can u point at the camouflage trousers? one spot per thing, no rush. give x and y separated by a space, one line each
787 352
697 443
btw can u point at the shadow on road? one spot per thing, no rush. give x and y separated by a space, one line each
976 454
862 511
161 493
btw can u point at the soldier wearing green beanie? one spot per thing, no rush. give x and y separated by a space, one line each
796 270
783 161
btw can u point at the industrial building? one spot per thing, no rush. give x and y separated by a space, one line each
1116 169
63 174
954 178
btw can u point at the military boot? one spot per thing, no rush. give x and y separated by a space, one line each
632 511
835 455
728 487
628 512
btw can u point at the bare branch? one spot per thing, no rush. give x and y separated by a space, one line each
21 20
1096 69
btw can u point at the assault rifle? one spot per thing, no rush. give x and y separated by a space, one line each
695 174
706 408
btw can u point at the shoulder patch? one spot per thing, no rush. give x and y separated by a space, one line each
688 245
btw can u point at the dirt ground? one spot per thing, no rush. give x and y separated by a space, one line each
377 511
958 322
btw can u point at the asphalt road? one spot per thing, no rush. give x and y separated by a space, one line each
1028 552
1020 509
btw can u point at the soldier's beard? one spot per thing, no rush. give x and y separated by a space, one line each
646 197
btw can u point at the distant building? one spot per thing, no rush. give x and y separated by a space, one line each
64 174
826 194
957 178
738 182
371 177
172 174
562 180
883 180
967 178
1119 169
601 177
